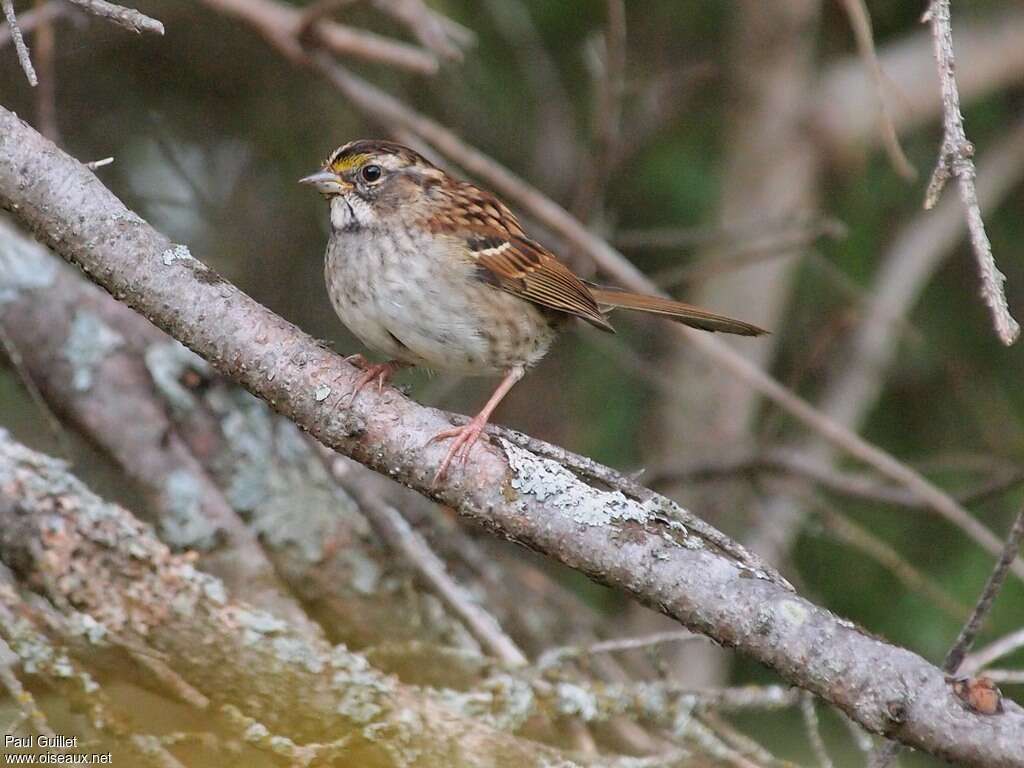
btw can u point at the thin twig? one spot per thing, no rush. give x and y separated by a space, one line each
10 349
31 19
563 653
988 595
993 651
860 20
395 530
887 752
810 715
955 159
129 18
435 31
19 42
1008 676
741 742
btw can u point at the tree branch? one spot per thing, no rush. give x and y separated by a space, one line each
19 42
956 159
614 539
54 529
128 18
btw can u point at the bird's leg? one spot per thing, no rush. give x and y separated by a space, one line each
381 372
465 436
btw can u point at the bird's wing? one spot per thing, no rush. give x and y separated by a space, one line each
509 260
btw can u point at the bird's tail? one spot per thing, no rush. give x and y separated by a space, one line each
687 314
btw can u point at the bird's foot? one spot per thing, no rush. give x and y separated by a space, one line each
379 372
463 439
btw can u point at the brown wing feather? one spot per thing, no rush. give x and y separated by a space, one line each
513 262
687 314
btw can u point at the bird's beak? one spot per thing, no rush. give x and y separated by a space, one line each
327 183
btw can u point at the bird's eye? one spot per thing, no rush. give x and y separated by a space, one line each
371 172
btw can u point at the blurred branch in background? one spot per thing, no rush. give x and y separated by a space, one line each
19 42
860 21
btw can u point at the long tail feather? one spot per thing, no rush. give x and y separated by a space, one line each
687 314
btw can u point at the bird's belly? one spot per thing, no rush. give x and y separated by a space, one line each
400 301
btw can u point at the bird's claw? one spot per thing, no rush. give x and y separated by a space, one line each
463 440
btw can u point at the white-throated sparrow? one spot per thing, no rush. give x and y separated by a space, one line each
434 272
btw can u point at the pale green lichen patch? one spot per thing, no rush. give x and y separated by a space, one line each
176 252
296 650
84 625
256 624
274 477
549 482
572 699
184 524
88 344
359 686
503 701
167 363
25 265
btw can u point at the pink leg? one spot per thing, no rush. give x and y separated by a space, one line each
465 436
381 372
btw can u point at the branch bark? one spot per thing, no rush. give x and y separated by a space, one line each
54 530
616 540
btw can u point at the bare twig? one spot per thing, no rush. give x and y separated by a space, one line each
741 742
1008 676
860 20
956 160
395 530
314 12
803 227
435 31
888 751
19 42
285 23
810 715
988 595
993 651
93 165
31 19
10 349
559 655
128 18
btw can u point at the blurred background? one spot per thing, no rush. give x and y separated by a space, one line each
735 152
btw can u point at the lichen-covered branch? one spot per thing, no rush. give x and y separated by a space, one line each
83 351
95 558
615 539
